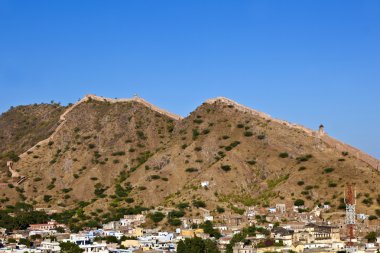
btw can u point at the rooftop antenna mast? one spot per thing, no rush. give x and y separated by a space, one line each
350 201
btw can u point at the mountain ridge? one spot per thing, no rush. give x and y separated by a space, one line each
100 145
325 137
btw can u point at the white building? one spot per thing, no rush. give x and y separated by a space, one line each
49 246
281 208
205 184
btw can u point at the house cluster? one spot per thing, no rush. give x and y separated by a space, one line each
277 229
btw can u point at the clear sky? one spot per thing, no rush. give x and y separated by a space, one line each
304 61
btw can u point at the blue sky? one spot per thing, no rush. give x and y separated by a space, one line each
308 62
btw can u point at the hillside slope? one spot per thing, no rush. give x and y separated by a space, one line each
120 153
23 126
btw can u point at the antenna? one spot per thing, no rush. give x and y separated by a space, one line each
350 201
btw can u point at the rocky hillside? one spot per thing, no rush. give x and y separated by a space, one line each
120 153
23 126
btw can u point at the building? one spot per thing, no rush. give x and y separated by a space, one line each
48 226
241 248
133 219
49 246
318 234
281 208
283 235
2 232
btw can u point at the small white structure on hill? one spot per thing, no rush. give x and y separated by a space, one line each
205 184
281 208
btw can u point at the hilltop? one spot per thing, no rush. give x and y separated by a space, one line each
119 153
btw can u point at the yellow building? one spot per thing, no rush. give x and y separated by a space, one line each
191 232
130 243
136 232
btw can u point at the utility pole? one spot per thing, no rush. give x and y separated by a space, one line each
350 201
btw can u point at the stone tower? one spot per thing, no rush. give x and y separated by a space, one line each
321 130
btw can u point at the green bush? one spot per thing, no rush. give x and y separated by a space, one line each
199 203
155 177
176 214
299 202
195 133
141 135
308 187
47 198
206 131
261 136
175 222
304 158
156 217
225 168
190 170
251 162
328 170
248 133
367 201
118 153
283 155
129 200
183 205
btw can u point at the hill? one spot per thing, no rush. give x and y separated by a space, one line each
115 154
23 126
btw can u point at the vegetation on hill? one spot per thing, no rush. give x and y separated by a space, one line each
24 126
110 158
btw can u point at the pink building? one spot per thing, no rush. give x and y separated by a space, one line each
48 226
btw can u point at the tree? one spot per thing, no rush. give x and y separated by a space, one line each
176 214
236 238
371 236
299 202
68 247
199 203
21 219
25 242
175 222
183 205
60 230
208 229
197 245
157 217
